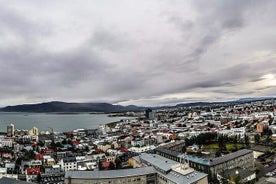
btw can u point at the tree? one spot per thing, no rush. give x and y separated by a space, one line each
246 140
39 178
118 163
221 142
257 138
40 143
100 165
235 141
184 149
218 153
268 140
112 166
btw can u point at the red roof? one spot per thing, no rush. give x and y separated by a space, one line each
39 156
33 171
48 150
123 149
105 164
75 143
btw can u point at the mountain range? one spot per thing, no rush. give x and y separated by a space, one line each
70 107
108 108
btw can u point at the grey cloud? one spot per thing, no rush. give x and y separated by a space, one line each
210 84
122 60
108 40
264 88
12 22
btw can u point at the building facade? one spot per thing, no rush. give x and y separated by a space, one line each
243 158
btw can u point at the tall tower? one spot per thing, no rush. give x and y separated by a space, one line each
10 130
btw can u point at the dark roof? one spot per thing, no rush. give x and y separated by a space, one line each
230 156
176 143
167 151
5 180
69 159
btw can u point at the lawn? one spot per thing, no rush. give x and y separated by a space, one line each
229 146
211 146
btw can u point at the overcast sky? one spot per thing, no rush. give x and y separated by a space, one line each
141 52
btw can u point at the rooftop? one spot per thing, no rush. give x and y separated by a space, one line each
5 180
230 156
218 160
110 173
199 160
167 151
158 161
192 177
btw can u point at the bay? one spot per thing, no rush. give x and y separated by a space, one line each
59 122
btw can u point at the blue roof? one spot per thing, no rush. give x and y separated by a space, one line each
199 160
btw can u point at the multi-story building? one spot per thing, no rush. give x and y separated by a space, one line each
7 143
169 171
237 175
10 130
243 158
33 131
69 163
145 175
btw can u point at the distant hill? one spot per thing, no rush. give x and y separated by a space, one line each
70 107
108 108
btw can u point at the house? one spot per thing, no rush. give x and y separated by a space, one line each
32 173
69 163
53 169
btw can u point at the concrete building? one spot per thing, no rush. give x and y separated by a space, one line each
10 130
243 158
146 175
169 171
238 175
150 114
33 131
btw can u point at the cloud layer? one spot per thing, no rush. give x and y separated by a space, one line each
136 52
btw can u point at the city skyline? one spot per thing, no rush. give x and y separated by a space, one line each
136 52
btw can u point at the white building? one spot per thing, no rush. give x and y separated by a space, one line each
69 163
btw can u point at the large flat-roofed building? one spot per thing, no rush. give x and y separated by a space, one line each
145 175
212 166
170 171
243 158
